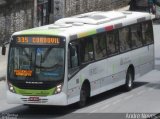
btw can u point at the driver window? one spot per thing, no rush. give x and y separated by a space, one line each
73 56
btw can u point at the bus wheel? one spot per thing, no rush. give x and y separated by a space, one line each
83 96
129 80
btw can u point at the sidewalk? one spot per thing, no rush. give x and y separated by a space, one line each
3 65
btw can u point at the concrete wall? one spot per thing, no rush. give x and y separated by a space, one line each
15 17
73 7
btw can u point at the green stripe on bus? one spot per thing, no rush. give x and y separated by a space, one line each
29 92
81 79
88 33
113 68
40 32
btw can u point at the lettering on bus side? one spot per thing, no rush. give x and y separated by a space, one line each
125 60
93 71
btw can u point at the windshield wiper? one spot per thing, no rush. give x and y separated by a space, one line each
46 54
49 68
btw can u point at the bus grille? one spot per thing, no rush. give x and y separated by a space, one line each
27 100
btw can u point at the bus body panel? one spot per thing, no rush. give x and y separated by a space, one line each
112 72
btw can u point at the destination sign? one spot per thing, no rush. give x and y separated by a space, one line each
38 40
25 73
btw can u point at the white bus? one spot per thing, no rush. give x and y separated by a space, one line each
79 57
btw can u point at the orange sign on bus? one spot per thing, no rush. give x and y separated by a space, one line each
38 40
24 73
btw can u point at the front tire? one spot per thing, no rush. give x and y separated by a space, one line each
129 80
83 96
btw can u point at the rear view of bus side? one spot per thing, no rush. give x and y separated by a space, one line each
101 51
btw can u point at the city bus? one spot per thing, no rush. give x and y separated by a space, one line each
79 57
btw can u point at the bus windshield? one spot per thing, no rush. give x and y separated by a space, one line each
36 63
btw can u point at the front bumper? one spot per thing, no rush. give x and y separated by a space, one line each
57 99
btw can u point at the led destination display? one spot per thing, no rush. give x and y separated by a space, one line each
38 40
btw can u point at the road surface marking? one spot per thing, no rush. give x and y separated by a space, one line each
141 92
90 108
150 89
93 111
128 97
115 102
105 107
97 105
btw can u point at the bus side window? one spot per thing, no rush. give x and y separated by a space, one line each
73 56
112 43
124 40
147 32
136 36
100 46
87 53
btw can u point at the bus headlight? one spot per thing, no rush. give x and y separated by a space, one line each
11 88
58 89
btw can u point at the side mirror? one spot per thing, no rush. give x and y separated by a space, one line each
3 50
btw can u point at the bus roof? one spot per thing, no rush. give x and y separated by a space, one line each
88 24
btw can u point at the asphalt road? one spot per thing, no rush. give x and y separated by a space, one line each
116 104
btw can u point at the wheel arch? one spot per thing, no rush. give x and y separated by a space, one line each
86 83
132 68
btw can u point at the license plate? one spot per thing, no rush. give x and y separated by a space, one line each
33 99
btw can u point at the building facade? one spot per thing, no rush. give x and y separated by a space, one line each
16 15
